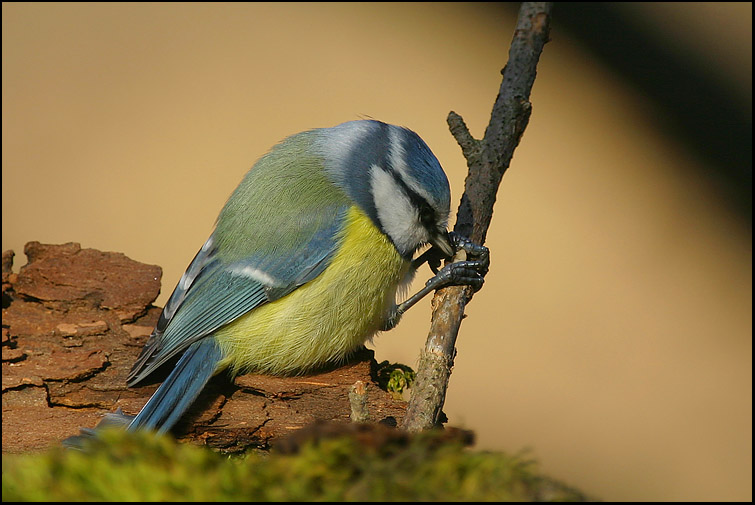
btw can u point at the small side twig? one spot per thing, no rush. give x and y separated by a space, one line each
487 160
470 146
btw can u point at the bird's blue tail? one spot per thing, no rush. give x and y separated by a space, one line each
172 398
181 388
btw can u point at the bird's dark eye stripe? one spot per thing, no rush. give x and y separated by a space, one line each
426 212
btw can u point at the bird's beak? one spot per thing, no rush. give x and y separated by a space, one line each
441 241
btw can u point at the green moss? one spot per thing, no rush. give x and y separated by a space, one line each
140 467
395 378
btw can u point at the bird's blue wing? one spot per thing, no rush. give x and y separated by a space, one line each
215 290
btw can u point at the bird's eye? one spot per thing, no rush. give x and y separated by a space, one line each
426 215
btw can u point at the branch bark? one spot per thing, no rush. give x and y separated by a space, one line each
487 159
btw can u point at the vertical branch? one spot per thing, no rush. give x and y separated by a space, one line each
487 160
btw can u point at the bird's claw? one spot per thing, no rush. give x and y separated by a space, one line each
480 252
470 272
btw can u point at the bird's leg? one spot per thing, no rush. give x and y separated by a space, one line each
468 270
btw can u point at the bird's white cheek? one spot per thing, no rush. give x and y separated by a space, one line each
396 212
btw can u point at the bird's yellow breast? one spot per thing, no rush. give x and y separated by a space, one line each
327 318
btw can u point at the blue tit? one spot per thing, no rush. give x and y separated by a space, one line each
305 262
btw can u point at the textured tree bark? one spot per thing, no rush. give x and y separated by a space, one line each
487 159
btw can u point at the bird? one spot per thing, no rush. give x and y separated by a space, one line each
305 264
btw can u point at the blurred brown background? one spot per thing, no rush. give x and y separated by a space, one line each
613 335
